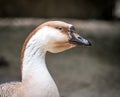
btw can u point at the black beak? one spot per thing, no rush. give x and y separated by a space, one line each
77 39
80 41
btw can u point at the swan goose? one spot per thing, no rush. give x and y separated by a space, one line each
51 36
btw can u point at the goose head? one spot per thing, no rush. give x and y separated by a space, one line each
57 36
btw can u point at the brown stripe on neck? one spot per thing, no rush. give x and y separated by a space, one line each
25 44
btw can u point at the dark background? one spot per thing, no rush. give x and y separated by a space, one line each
82 9
80 72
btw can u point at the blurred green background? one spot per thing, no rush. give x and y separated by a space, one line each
80 72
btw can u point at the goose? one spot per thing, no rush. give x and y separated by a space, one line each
51 36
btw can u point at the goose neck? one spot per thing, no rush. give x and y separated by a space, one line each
33 62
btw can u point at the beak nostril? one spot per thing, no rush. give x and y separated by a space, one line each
80 41
79 37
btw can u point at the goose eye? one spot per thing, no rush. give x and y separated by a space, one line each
59 28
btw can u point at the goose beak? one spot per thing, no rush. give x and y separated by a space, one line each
80 41
75 38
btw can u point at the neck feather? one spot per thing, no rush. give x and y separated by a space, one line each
35 73
33 62
34 70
